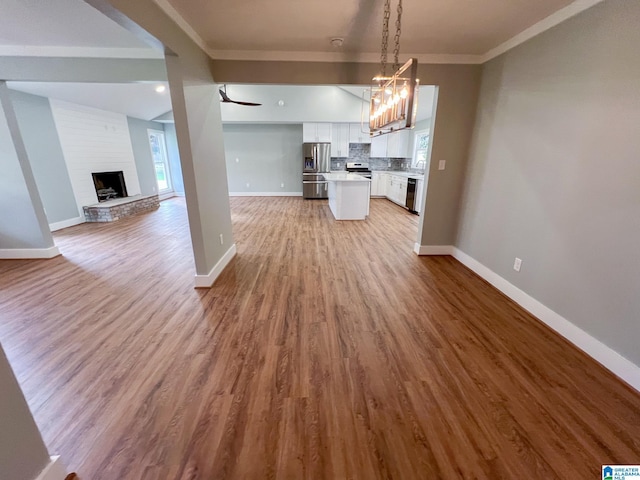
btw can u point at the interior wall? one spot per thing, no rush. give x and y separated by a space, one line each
142 153
45 155
23 224
23 454
94 140
268 156
301 104
554 173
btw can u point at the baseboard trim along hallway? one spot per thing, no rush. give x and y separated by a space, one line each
265 194
72 222
609 358
28 253
205 281
55 470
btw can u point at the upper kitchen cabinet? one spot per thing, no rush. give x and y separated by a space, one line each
356 135
340 140
398 144
391 145
379 146
316 132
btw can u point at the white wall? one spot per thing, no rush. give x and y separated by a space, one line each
94 141
301 104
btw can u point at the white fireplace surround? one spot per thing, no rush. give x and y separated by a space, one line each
94 140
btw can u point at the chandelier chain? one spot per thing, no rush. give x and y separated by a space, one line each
385 37
396 50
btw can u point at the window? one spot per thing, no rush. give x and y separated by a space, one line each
160 160
420 150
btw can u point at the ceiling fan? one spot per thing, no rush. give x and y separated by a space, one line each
226 99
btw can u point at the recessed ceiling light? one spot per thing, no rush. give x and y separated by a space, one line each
160 88
337 42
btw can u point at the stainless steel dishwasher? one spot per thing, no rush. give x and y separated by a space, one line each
410 201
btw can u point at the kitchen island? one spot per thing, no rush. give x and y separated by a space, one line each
348 195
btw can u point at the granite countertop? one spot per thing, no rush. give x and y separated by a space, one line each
345 177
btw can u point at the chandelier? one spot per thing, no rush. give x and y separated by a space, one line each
394 100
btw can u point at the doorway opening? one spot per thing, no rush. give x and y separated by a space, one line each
158 147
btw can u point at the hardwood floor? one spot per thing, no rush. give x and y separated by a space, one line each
326 350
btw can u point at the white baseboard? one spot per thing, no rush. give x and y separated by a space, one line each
28 253
55 470
433 249
66 223
205 281
265 194
609 358
164 196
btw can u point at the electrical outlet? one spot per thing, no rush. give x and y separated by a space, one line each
248 185
442 164
221 240
237 160
282 185
517 264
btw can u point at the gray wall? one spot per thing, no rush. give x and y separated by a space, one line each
142 153
23 454
23 223
268 155
45 155
554 172
174 157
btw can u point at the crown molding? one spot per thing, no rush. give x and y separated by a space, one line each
78 52
543 25
174 15
340 57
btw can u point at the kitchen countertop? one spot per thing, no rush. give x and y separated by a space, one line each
417 176
345 177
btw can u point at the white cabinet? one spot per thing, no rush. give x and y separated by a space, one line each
379 147
391 145
397 191
316 132
398 144
379 184
356 135
339 140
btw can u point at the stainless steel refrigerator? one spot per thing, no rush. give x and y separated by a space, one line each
317 160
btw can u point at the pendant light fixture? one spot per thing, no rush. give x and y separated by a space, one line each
394 99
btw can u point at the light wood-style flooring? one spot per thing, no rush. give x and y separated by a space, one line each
326 350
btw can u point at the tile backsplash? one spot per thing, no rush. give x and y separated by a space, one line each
359 152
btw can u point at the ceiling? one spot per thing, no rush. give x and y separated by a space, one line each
254 29
440 27
65 28
139 100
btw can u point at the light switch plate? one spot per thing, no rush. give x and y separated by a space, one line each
442 164
517 264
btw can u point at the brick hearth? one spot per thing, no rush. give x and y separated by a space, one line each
113 210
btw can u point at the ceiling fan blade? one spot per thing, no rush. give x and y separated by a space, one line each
226 99
248 104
